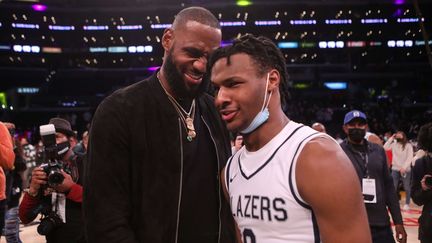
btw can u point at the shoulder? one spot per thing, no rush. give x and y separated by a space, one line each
125 99
3 129
421 162
322 154
373 138
374 147
323 166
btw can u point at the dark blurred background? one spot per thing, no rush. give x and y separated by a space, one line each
61 58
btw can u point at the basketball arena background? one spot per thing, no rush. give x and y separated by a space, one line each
62 57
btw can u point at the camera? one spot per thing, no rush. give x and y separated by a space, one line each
52 154
428 181
48 223
53 171
50 219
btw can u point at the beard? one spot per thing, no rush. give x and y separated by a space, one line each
176 81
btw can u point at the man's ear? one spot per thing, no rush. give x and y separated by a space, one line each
274 80
345 129
167 39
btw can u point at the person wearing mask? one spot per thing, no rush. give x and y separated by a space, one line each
370 162
421 189
60 203
402 155
287 182
157 147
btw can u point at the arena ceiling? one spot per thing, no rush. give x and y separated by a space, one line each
207 3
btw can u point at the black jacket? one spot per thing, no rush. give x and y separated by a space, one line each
132 182
378 170
422 167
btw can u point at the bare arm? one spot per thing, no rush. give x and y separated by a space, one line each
328 182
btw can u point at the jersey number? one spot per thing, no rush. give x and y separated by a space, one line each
248 236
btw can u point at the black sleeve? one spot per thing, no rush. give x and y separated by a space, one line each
106 200
391 196
419 196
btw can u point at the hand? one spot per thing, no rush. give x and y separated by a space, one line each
401 235
423 183
66 184
38 178
402 171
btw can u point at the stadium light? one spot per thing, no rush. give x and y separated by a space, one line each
243 3
39 7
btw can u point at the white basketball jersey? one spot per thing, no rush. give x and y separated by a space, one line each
263 191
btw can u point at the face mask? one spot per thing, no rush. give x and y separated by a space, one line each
62 149
356 134
399 140
263 115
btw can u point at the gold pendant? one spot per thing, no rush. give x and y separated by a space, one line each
189 124
191 133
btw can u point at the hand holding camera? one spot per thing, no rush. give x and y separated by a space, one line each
67 183
38 179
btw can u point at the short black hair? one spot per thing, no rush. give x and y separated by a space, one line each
263 52
424 137
198 14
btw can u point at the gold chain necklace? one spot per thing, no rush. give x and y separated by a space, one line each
186 117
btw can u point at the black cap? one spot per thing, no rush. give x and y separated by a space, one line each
62 126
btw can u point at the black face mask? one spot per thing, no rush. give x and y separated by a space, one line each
399 140
62 149
356 134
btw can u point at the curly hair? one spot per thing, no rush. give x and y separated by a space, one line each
264 53
424 137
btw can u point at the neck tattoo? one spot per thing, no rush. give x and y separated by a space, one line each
187 118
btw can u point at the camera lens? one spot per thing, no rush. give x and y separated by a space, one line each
428 181
55 178
45 226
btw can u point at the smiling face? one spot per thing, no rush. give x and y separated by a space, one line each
186 54
240 90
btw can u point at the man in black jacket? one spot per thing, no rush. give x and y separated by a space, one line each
370 162
157 147
422 183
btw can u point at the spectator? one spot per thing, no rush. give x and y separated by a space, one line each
13 192
7 159
402 155
370 162
422 183
29 155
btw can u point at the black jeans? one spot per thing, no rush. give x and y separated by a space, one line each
2 214
382 234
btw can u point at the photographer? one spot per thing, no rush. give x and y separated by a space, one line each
55 193
422 183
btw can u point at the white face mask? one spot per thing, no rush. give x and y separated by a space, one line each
263 115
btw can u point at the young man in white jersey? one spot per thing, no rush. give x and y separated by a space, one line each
288 183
